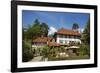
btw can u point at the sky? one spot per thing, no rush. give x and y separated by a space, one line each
55 20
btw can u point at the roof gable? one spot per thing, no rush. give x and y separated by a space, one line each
67 32
42 39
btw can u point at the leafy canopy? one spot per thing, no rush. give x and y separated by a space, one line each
37 29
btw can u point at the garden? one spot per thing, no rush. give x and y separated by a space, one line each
54 53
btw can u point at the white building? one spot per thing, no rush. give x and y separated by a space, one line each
65 36
62 37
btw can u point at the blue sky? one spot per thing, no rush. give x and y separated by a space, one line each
55 19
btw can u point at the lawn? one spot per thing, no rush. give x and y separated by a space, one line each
68 58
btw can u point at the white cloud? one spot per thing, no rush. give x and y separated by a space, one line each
52 30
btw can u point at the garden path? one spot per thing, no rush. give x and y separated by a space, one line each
36 59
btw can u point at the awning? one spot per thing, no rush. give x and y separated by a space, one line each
73 47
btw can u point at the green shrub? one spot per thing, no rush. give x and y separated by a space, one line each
27 56
84 49
45 51
26 52
50 58
61 49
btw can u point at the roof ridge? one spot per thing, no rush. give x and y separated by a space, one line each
67 31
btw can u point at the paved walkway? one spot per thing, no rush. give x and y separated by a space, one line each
36 59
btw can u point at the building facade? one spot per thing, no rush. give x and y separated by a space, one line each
61 37
65 36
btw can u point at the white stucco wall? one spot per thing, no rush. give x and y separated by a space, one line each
67 39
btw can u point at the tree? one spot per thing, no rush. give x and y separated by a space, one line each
75 26
27 53
44 29
86 39
34 30
86 33
36 22
28 33
83 50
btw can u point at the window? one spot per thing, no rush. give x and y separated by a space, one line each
66 36
72 36
61 41
60 36
66 42
69 36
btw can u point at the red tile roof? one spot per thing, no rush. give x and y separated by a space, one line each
42 39
53 44
45 40
67 32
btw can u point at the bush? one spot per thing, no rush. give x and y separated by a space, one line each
61 49
50 58
26 53
45 51
84 49
27 56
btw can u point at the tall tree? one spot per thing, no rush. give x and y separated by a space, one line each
75 26
86 39
27 34
86 33
36 22
34 30
44 29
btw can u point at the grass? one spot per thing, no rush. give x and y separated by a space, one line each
68 58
